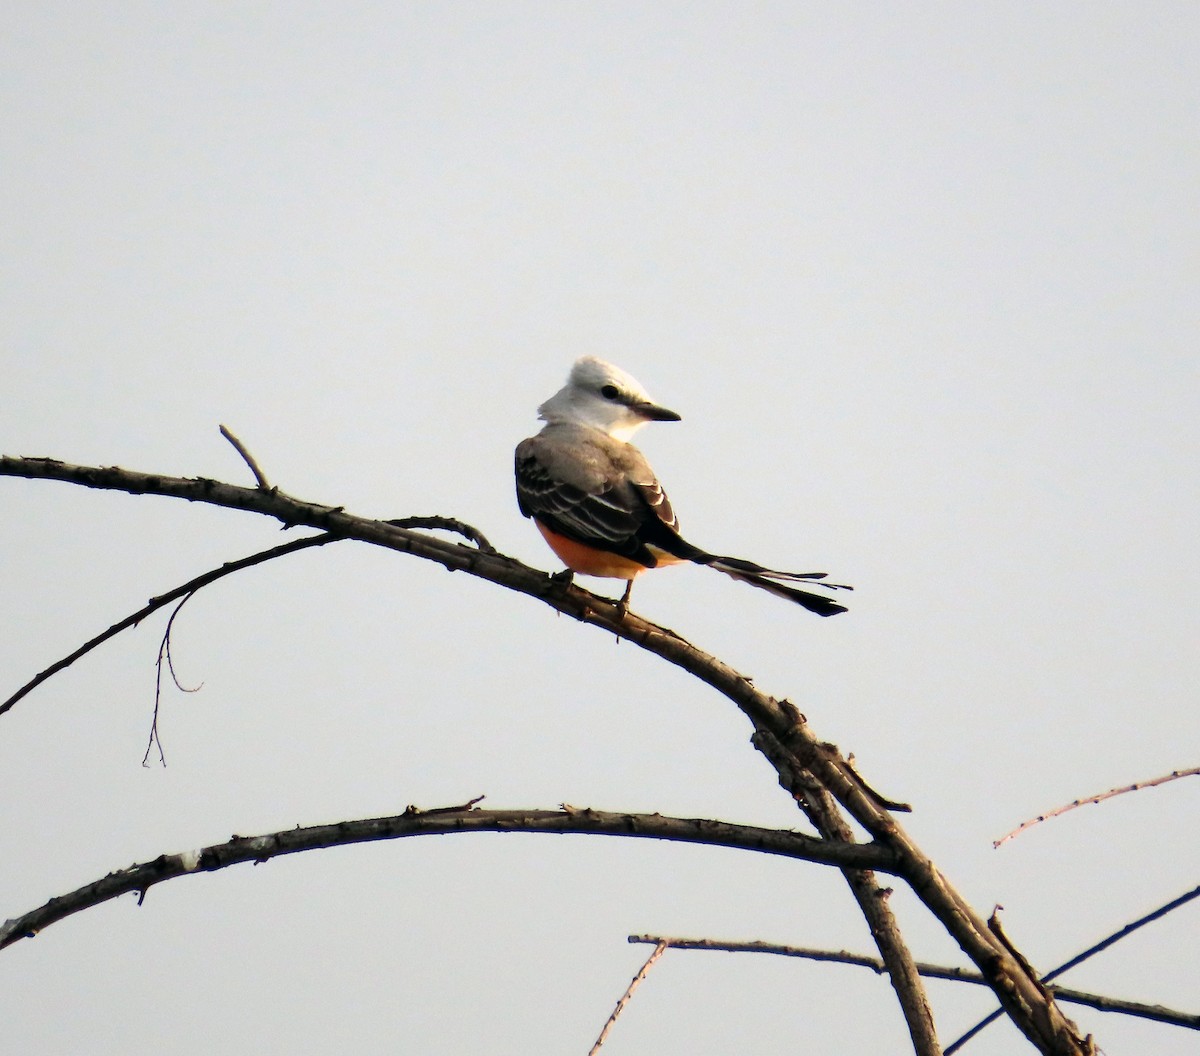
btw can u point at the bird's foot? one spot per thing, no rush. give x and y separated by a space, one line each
563 579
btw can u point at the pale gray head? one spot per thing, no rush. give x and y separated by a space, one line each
604 397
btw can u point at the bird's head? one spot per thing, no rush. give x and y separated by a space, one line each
606 398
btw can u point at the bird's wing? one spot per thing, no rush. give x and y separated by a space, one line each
594 492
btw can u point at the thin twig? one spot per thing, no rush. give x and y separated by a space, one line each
412 809
883 801
248 458
164 651
184 590
1091 951
1098 798
447 524
1190 1020
659 950
1121 933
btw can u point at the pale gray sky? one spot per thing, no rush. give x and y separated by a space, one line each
921 280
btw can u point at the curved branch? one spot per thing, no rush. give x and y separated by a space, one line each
1097 797
447 524
1190 1020
1030 1006
154 604
416 822
185 590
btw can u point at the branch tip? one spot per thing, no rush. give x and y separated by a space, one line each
248 458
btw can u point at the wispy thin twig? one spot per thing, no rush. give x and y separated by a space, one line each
164 652
1099 797
659 950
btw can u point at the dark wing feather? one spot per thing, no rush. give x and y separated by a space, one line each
618 516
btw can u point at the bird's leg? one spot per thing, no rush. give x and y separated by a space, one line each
623 604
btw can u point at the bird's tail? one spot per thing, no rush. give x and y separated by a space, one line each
776 582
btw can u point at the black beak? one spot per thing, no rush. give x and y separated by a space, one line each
654 413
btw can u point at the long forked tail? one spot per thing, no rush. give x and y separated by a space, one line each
776 583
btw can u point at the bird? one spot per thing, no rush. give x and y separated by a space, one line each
598 503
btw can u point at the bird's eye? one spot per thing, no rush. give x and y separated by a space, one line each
610 392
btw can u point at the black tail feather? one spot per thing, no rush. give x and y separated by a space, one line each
768 579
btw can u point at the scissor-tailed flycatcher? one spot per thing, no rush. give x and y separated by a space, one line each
596 500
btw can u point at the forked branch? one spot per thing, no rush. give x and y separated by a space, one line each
1079 958
1190 1020
185 590
799 757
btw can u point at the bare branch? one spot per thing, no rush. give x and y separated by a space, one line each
1079 958
1030 1008
183 591
763 711
415 822
1099 797
447 524
1122 933
817 803
189 588
1190 1020
248 458
634 984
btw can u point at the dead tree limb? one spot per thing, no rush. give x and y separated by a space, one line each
1079 958
1190 1020
416 822
1030 1006
815 800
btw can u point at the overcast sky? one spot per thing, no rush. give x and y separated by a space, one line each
922 281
